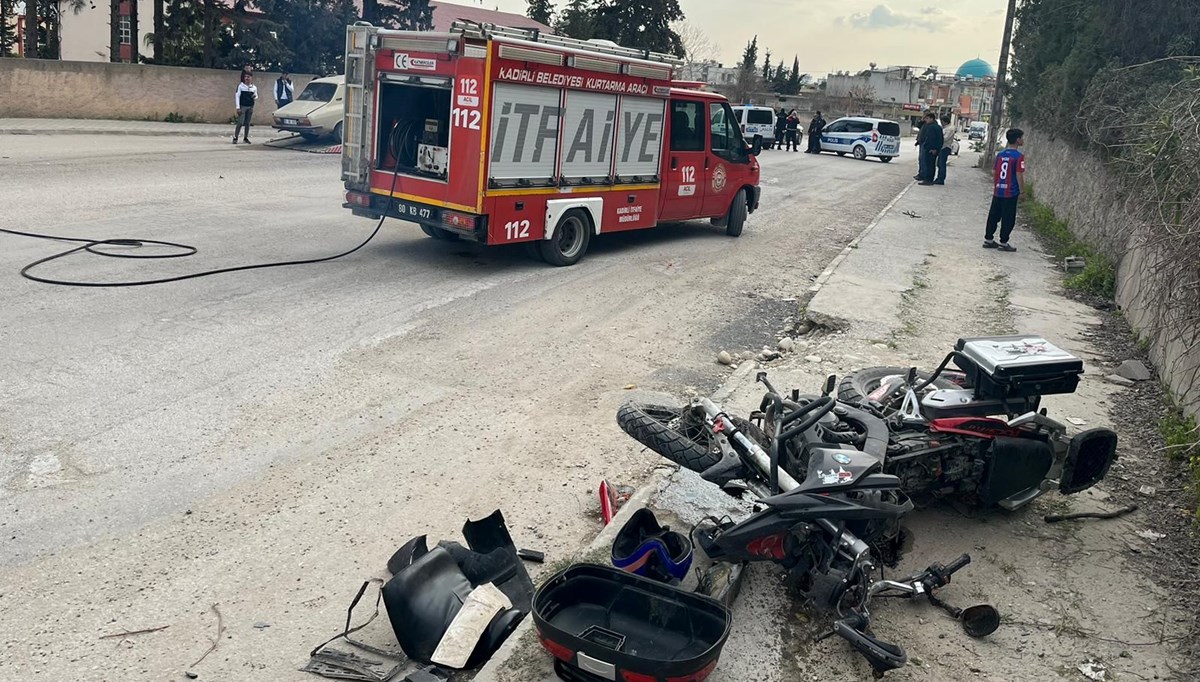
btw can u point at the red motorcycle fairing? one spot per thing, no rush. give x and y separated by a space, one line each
977 427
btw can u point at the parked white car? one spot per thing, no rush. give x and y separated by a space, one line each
317 112
862 137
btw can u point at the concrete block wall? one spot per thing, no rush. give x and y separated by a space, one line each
37 88
1099 211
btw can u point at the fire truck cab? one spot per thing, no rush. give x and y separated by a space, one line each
502 136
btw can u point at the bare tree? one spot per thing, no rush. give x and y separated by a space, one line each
697 46
860 95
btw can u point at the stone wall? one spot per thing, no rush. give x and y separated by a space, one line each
1099 211
37 88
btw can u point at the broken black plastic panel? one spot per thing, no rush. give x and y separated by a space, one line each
532 555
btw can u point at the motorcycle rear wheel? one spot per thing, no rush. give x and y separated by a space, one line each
676 434
857 386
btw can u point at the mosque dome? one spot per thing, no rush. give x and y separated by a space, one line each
976 68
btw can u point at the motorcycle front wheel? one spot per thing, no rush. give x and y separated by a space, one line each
677 434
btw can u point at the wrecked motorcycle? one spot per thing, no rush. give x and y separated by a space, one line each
978 434
833 534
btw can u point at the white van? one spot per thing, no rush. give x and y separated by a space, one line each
757 122
862 137
977 131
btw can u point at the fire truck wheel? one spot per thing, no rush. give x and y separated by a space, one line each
570 239
439 233
736 219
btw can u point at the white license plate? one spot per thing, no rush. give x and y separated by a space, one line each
289 121
890 149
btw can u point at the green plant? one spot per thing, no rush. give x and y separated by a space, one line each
1099 276
1179 432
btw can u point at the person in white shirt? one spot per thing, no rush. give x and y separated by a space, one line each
244 99
284 90
947 146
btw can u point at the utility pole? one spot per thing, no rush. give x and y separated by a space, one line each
1001 85
31 29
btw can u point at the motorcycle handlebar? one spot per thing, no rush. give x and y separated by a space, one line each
958 564
814 411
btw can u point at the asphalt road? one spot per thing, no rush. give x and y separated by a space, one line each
264 440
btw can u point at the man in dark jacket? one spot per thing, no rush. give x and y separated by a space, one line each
815 128
929 144
780 127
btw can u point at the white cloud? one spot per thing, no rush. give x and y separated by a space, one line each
882 17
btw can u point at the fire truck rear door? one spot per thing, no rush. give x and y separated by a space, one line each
682 191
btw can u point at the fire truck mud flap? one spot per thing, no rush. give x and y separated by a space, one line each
752 195
555 208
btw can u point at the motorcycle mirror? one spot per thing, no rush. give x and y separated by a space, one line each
760 378
980 620
830 384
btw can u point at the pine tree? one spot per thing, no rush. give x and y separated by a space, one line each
415 15
642 24
766 73
8 32
750 56
541 11
577 20
793 81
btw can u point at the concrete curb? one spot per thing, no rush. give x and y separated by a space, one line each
490 670
825 319
113 131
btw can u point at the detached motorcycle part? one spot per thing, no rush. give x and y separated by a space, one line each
883 656
723 581
489 535
980 620
664 632
1089 456
1017 468
647 548
422 601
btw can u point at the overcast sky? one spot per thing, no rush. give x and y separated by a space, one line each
829 35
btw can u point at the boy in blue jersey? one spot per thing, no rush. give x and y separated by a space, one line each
1008 176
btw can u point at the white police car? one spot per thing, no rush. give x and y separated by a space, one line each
757 122
862 137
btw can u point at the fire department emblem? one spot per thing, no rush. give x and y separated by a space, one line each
718 178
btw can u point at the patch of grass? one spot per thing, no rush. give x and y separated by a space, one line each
175 117
1099 276
1179 432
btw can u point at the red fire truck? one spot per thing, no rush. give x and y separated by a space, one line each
501 136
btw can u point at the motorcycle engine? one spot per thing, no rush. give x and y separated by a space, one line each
933 468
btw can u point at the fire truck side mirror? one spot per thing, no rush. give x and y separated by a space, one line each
756 147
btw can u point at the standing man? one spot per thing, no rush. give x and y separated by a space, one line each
284 90
931 140
948 133
920 157
793 131
1008 176
244 99
815 128
780 127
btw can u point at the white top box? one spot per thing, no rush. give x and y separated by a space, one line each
1011 354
